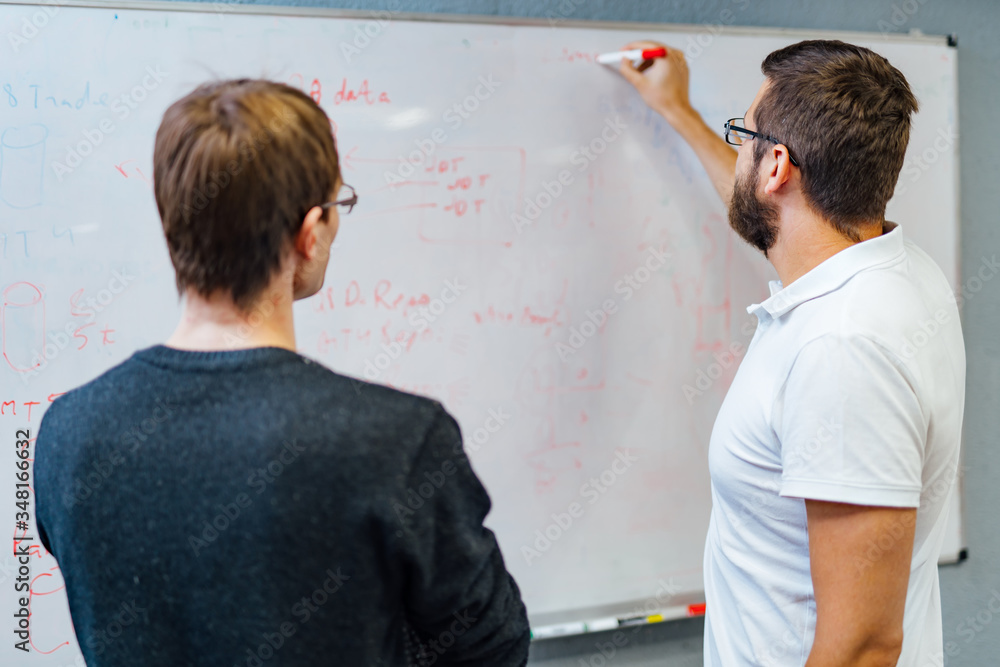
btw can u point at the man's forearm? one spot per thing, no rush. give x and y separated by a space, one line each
716 156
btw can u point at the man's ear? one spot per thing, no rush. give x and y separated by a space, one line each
306 240
781 169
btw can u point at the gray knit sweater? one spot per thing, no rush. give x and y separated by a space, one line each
252 508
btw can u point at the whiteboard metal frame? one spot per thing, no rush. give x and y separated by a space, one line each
914 36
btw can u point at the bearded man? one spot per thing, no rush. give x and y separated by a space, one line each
836 449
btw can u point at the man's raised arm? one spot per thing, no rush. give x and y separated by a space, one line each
664 87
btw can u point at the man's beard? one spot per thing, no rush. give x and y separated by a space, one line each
752 218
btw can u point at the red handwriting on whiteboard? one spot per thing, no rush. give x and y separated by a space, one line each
444 166
75 311
572 56
362 94
524 317
380 297
347 94
9 407
343 339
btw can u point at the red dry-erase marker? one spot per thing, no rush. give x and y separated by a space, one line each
696 609
637 55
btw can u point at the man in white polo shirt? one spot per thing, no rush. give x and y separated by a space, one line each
836 449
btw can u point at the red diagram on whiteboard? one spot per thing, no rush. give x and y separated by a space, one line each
23 315
560 393
457 195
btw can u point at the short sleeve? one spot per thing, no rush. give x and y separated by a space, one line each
850 425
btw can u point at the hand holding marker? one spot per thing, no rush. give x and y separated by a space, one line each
661 80
637 56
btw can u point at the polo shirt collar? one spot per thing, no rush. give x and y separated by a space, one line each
832 273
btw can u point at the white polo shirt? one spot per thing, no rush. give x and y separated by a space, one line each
851 391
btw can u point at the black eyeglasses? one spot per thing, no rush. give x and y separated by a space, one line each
736 134
349 202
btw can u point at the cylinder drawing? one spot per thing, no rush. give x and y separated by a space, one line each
23 322
22 165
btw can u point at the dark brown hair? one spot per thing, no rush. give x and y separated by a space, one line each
236 167
844 113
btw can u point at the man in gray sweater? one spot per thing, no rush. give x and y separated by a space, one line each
258 508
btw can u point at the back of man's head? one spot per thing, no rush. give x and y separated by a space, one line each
844 113
236 167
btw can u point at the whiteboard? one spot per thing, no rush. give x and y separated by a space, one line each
626 259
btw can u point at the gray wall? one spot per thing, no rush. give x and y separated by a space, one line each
970 589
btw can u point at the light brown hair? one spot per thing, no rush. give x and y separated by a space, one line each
844 113
236 167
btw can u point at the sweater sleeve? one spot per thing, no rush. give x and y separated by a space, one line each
464 605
